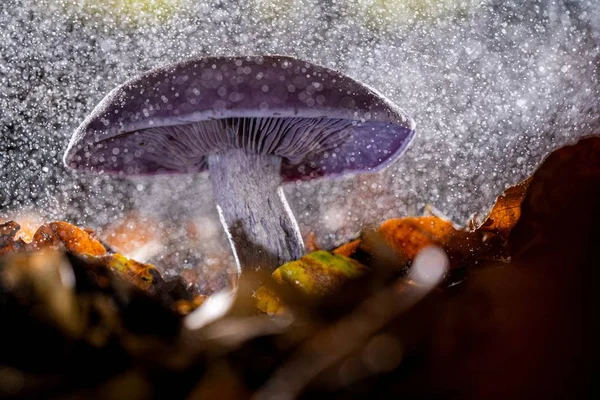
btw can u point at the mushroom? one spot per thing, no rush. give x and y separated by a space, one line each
252 122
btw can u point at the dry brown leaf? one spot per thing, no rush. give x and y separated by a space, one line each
505 213
9 243
402 239
348 249
52 235
28 224
144 276
76 239
406 237
410 235
492 333
44 237
569 174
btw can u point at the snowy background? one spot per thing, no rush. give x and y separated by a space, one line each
493 86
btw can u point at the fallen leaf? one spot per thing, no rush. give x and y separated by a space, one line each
9 243
348 249
560 200
505 213
319 272
77 240
398 241
493 332
408 236
268 302
28 224
144 276
44 237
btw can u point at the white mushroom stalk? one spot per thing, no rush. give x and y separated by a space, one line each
254 212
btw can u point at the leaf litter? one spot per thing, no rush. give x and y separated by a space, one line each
340 323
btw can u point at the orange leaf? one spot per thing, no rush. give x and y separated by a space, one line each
506 211
408 236
348 249
44 237
76 239
561 200
400 240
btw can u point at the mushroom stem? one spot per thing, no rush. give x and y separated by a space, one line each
253 210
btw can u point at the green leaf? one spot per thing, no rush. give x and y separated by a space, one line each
319 272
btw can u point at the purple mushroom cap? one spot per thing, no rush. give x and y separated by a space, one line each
168 120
